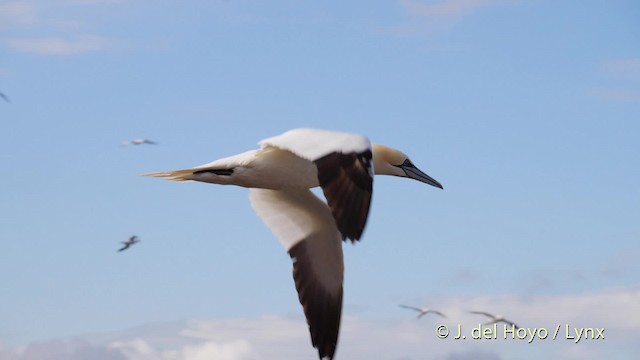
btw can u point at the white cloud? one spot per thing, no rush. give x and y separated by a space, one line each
426 16
67 34
624 75
93 2
616 94
139 349
580 353
446 9
473 355
236 350
59 45
623 68
16 13
276 337
136 349
71 349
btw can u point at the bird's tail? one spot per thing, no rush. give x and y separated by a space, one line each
175 175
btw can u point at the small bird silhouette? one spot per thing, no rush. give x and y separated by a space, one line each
132 240
139 142
422 311
495 318
4 97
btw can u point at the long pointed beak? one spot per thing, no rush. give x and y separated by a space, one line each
413 172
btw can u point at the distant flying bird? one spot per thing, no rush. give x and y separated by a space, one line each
495 318
279 175
4 97
132 240
139 142
422 311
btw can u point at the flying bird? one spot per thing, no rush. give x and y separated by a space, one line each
132 240
279 175
139 142
495 318
422 311
4 97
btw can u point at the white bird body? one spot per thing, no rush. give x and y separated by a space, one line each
279 176
313 144
266 168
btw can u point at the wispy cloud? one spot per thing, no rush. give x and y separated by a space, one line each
276 337
624 262
616 94
446 9
58 45
473 355
427 16
14 13
66 35
93 2
624 68
69 349
622 77
463 276
140 349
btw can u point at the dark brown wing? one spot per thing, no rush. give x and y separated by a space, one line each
347 183
322 306
305 227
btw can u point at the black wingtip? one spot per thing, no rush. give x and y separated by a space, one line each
322 309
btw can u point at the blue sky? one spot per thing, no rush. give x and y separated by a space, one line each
526 111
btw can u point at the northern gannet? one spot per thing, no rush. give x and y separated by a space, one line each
132 240
422 311
139 142
495 318
4 97
279 175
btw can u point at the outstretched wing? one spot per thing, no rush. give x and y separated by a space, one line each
306 229
345 172
410 307
483 313
4 97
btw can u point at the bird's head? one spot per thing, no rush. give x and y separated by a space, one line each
389 161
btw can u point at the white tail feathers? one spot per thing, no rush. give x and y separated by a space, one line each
175 175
